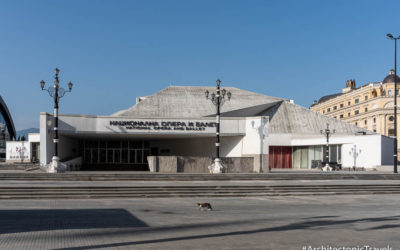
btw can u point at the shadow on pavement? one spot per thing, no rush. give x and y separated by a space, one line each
308 224
17 221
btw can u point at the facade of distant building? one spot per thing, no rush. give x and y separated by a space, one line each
24 151
176 127
369 107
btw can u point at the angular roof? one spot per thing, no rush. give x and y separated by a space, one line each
190 102
289 118
7 117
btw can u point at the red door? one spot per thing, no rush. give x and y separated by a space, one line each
280 157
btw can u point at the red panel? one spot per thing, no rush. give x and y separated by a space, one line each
287 157
280 157
279 161
271 157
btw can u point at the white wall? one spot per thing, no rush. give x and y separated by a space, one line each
101 125
279 140
46 143
230 146
34 137
254 142
371 147
18 151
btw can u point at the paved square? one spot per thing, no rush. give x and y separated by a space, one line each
235 223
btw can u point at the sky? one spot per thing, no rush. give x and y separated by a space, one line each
115 51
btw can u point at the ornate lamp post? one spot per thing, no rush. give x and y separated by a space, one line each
391 37
327 132
56 92
218 99
355 153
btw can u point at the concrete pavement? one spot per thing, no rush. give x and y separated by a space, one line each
235 223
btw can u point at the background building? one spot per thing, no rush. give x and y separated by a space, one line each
369 107
24 151
177 126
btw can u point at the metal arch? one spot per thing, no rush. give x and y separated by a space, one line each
7 117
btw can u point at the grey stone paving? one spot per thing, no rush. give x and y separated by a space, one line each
236 223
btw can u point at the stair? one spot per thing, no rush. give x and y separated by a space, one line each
90 192
146 176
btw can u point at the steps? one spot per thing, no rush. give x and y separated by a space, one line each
86 192
146 176
100 185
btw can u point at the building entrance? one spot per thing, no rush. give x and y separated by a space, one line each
115 154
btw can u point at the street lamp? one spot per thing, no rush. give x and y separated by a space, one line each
391 37
56 92
218 99
327 132
355 153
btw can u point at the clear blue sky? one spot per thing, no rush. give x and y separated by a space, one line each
114 51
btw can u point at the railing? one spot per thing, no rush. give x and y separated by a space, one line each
73 164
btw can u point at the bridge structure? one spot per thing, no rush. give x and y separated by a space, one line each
7 118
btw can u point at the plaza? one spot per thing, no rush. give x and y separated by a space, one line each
235 223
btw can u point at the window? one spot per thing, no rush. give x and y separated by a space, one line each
366 97
356 123
311 156
323 111
374 120
356 100
356 112
341 105
389 92
348 114
366 110
391 118
391 132
334 107
365 122
341 116
335 117
329 109
374 130
348 103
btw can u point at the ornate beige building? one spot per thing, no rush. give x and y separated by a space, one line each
369 106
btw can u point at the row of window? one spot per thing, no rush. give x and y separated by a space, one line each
366 122
356 101
115 151
356 112
312 156
390 131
